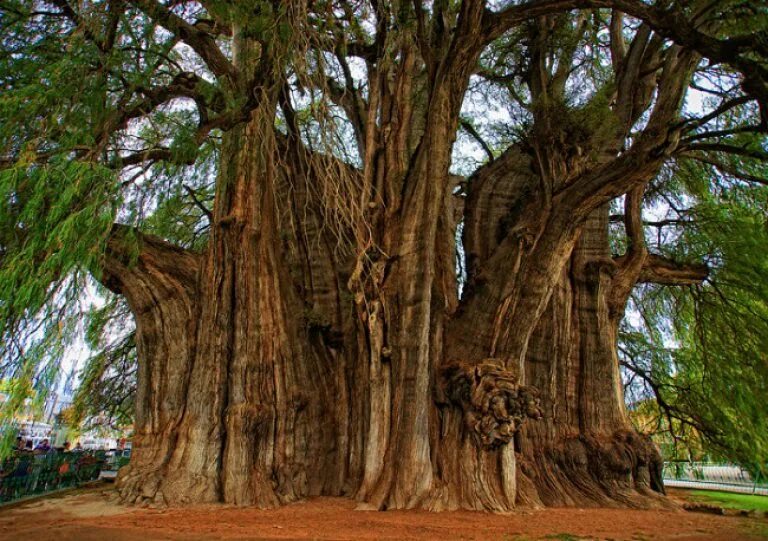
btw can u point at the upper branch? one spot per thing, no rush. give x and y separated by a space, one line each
184 85
198 39
630 266
223 122
658 269
496 23
105 40
725 168
673 24
637 265
670 23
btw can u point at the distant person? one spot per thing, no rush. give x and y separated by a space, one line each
78 448
21 444
66 448
43 447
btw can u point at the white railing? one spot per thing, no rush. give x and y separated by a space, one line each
713 476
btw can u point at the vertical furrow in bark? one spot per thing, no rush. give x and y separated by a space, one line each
601 406
408 458
251 365
280 387
379 403
407 475
196 462
552 368
319 258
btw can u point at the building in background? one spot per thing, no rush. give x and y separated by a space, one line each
34 423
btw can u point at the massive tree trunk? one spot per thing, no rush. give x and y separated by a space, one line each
263 381
583 450
319 347
247 387
247 392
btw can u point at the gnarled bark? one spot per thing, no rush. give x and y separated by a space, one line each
586 453
160 288
279 389
304 355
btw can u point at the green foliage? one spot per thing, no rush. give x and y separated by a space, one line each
55 222
59 194
108 380
702 351
76 98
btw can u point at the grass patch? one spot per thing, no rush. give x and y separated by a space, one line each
730 500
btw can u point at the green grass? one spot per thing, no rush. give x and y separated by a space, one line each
730 500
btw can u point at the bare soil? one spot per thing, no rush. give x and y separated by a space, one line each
92 515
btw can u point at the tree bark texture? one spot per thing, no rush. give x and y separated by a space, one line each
262 381
319 349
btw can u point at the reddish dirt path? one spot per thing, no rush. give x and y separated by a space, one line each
90 516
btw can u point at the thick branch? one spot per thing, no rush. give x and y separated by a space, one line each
633 224
658 269
669 222
634 260
198 39
637 265
128 271
661 270
495 24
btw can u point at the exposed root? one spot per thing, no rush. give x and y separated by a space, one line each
622 469
140 487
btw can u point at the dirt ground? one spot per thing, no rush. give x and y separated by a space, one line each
91 515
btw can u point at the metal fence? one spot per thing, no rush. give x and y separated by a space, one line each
714 476
26 474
